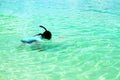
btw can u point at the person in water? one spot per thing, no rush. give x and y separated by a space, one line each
38 37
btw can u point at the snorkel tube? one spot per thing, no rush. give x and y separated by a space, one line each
43 28
46 34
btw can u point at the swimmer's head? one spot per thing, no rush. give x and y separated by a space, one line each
47 34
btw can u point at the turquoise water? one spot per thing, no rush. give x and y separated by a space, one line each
85 43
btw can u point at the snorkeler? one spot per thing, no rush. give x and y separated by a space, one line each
38 37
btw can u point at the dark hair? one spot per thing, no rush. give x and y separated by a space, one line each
47 34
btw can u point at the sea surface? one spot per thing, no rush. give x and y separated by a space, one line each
85 42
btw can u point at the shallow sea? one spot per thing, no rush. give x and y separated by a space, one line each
85 44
